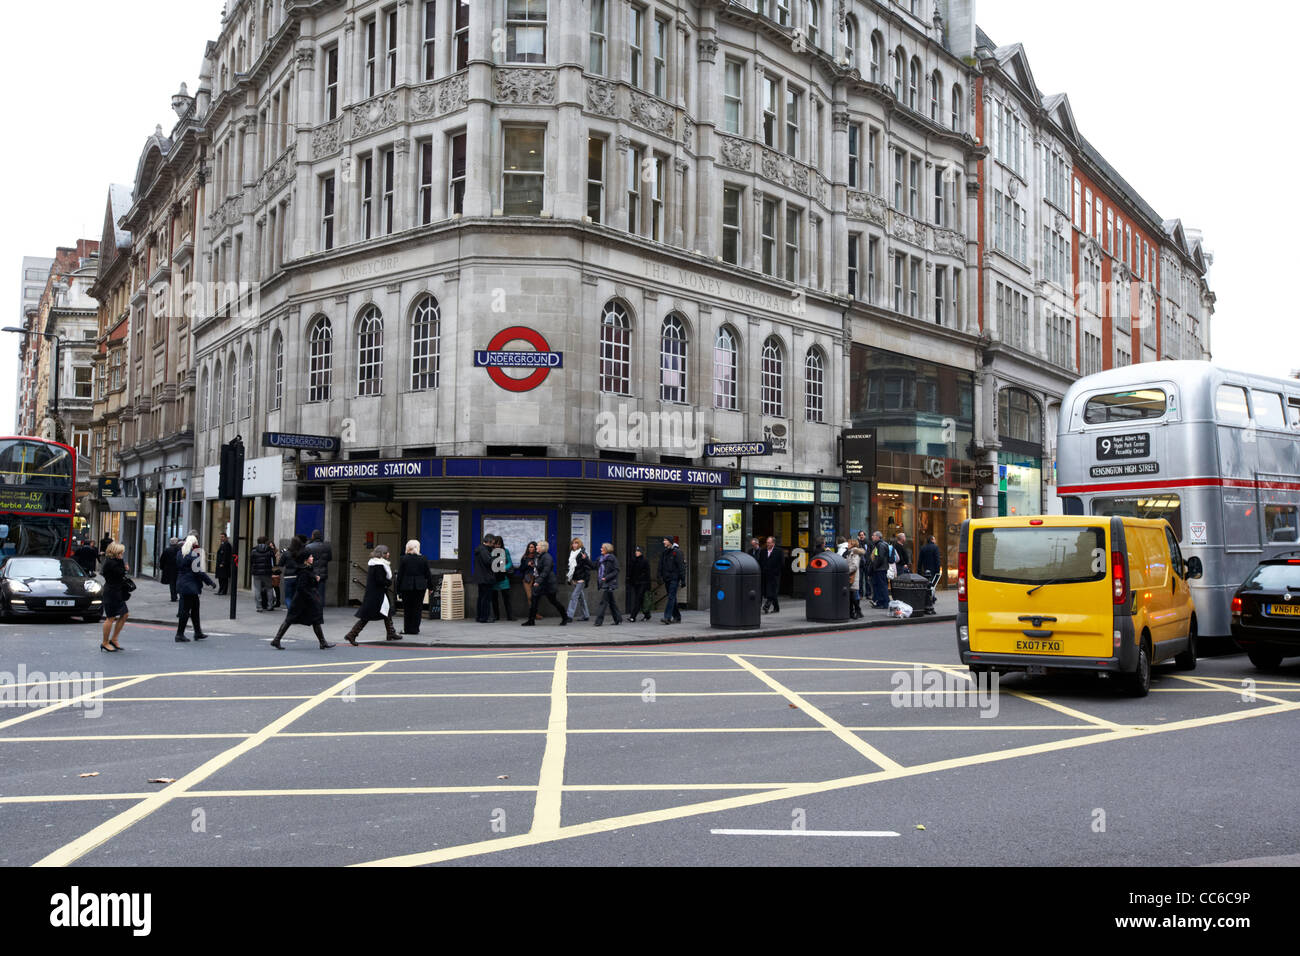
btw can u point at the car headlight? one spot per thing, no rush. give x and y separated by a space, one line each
93 587
17 587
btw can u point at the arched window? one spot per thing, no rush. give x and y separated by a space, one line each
772 386
248 382
851 41
370 352
724 370
320 356
201 418
814 386
914 83
232 376
1019 417
877 52
672 361
615 349
936 95
277 371
426 342
214 419
814 22
957 124
900 65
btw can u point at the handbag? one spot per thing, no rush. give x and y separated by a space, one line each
128 585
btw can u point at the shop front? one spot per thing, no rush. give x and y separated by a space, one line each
258 515
1020 458
449 504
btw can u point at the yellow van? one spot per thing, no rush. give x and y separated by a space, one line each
1060 593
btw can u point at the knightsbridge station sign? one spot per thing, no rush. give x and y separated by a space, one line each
496 358
365 470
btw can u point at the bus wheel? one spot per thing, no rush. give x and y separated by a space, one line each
1187 659
1139 682
1265 658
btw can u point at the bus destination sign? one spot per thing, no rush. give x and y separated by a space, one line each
1130 445
23 500
1126 470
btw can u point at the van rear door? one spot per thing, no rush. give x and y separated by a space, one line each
1041 589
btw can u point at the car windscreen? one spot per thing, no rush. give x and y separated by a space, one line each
1037 555
43 568
1275 577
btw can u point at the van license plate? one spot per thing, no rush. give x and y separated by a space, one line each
1041 646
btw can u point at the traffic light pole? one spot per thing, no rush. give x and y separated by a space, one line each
232 488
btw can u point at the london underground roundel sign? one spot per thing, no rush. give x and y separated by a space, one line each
496 358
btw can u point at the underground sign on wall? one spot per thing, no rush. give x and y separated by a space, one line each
537 361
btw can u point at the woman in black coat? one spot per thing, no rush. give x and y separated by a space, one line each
115 596
375 605
638 583
413 579
305 608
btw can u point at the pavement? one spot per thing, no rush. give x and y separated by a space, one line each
151 604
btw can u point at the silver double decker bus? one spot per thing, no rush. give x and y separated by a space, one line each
1214 451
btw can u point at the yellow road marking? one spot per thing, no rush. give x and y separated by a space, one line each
550 781
803 790
1234 691
63 704
1062 709
854 741
71 852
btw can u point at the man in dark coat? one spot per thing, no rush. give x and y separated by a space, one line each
225 558
87 556
771 563
904 553
878 565
606 582
190 579
261 564
375 603
930 562
167 564
104 542
638 583
671 571
756 550
544 586
305 608
322 554
481 573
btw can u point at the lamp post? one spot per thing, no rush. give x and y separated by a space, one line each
54 360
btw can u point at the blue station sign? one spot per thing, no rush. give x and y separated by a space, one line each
374 470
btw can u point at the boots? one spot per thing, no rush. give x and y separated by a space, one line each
351 636
392 634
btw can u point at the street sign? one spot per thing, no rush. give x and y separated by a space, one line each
736 449
858 449
304 442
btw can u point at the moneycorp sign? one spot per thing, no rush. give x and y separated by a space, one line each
496 358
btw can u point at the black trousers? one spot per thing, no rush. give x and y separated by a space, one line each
607 601
223 583
412 606
538 594
486 594
635 598
172 585
189 611
284 626
505 604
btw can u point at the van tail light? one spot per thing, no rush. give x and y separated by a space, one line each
961 577
1236 605
1117 575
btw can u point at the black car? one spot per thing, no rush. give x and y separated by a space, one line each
45 587
1266 611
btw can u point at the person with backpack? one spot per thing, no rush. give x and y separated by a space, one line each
606 582
544 586
261 562
878 565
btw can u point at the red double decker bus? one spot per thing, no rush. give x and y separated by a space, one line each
38 480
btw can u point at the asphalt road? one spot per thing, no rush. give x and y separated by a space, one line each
836 749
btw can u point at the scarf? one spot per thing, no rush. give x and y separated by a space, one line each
387 567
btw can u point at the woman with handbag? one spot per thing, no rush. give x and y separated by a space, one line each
413 579
502 587
117 586
375 605
305 608
190 578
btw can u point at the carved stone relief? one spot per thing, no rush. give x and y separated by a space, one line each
528 87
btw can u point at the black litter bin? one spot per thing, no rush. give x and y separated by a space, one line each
827 588
736 586
912 589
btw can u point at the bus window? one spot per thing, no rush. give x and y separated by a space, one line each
1268 409
1169 507
1240 520
1230 406
1282 523
1294 404
1125 406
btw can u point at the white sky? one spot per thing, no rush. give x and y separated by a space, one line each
1190 105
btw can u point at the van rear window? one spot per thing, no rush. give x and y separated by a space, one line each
1125 406
1039 555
